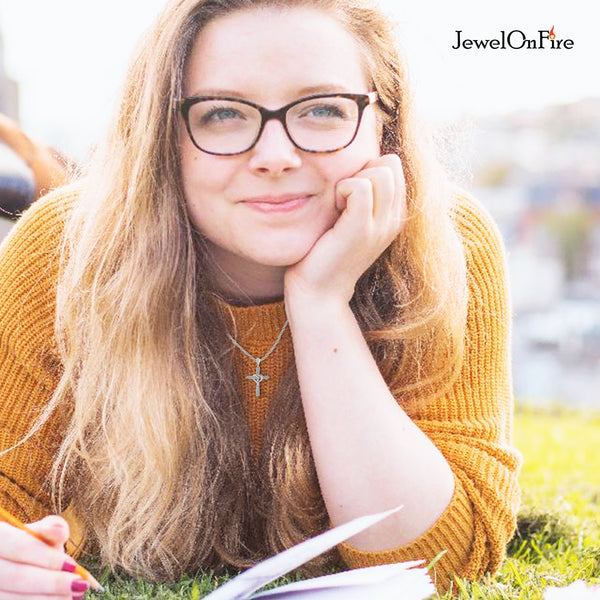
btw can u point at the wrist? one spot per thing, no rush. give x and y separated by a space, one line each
297 295
307 305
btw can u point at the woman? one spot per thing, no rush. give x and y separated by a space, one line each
272 315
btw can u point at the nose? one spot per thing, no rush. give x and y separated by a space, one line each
274 152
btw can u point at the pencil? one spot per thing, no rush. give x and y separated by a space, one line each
12 520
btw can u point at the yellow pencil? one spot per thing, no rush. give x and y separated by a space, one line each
12 520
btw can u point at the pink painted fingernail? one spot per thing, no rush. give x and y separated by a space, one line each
69 567
80 586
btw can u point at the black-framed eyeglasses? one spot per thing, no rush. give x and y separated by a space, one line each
321 123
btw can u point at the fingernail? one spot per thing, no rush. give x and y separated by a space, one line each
69 567
80 586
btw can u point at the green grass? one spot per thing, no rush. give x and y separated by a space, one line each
558 538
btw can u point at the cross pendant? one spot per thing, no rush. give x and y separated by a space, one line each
257 377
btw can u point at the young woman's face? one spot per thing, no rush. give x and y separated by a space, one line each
270 57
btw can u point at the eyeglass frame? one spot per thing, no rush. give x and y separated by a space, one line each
362 101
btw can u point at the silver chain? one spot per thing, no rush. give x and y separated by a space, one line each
258 376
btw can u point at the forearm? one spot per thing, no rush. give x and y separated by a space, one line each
368 453
48 171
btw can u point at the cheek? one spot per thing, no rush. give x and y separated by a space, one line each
197 188
191 163
186 164
196 167
355 157
201 174
372 132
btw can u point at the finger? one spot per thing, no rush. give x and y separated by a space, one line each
27 579
400 181
19 547
357 193
396 213
54 529
382 180
17 596
383 163
393 162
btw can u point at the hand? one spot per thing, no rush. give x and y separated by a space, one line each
31 568
372 205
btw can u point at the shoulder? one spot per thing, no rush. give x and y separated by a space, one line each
46 215
29 261
475 225
35 238
484 249
37 230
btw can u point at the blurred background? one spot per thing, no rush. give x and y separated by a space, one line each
520 129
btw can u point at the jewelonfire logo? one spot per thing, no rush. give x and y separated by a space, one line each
515 40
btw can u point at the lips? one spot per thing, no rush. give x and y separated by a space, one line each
277 204
276 199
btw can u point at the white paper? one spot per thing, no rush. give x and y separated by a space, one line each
375 582
380 582
576 591
364 576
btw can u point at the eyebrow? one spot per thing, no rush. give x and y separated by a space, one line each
305 91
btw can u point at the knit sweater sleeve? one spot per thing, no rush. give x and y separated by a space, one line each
472 427
29 369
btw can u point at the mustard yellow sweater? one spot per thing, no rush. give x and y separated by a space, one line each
471 425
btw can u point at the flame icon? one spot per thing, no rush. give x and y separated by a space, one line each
551 35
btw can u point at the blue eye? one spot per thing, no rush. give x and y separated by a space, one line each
220 114
326 111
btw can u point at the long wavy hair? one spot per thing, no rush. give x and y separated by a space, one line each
156 461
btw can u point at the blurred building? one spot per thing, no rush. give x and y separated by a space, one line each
9 91
538 173
16 179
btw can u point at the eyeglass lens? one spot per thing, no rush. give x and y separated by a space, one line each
318 124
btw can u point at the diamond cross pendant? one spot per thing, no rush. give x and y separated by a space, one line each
258 376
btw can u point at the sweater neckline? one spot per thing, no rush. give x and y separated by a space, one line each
256 325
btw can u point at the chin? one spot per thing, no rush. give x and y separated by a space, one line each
282 255
279 260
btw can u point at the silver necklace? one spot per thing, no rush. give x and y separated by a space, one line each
258 376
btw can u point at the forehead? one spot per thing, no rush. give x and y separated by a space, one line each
274 55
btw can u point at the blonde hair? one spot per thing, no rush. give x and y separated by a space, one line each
156 460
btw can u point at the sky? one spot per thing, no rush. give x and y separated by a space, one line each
70 57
